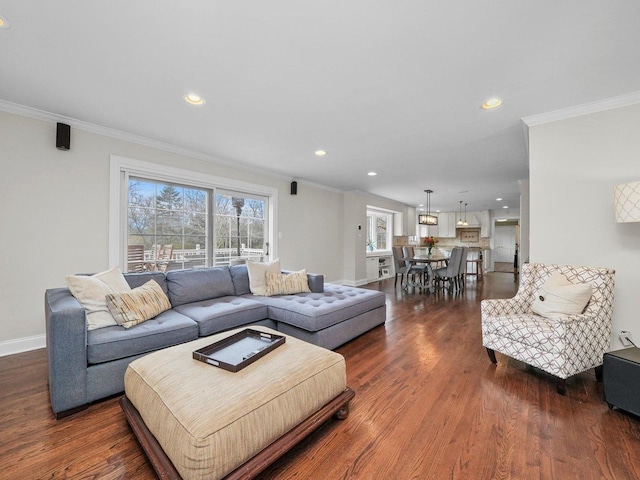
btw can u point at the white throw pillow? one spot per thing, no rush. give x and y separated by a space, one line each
558 297
258 275
91 292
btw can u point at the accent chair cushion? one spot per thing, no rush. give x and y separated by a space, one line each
140 304
258 275
91 292
287 283
558 297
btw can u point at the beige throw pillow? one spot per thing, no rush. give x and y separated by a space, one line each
91 291
140 304
558 297
287 284
258 275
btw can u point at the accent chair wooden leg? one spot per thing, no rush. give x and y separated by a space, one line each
561 386
598 370
492 355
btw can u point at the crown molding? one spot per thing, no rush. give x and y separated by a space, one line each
584 109
42 115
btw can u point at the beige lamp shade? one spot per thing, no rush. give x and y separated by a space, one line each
626 199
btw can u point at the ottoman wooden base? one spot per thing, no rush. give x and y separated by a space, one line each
338 408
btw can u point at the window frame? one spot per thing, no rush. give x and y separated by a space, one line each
373 212
121 168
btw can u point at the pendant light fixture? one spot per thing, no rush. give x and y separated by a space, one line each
465 223
427 218
460 222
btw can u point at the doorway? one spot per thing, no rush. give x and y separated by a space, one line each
504 248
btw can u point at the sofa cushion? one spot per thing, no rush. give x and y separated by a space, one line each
194 285
91 292
112 343
316 311
138 305
240 277
138 279
219 314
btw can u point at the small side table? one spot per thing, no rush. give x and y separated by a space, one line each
621 379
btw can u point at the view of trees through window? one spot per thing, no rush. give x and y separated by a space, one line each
239 227
170 221
168 226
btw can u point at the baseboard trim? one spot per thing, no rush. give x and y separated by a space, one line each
20 345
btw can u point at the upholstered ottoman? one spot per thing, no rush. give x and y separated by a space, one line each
198 421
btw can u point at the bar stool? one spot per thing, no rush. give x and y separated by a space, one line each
478 269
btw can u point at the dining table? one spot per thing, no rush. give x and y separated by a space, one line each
427 283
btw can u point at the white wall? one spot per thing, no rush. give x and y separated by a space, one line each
574 165
354 240
54 217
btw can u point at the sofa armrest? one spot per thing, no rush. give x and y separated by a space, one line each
66 328
500 307
316 282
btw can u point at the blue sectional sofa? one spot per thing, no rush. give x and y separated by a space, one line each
88 365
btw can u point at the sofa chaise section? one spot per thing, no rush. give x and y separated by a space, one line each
329 318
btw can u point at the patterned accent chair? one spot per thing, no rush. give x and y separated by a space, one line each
562 347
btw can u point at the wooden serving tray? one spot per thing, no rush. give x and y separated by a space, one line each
239 350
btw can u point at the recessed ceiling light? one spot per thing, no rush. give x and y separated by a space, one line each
501 220
421 205
372 174
498 199
4 23
505 206
491 103
194 99
320 153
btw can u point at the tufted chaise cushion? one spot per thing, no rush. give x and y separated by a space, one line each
316 311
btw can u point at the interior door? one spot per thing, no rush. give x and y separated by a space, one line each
504 242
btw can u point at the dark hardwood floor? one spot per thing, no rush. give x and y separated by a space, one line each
428 405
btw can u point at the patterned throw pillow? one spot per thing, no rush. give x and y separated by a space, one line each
287 284
138 305
558 297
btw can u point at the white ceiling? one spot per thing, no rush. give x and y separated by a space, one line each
393 87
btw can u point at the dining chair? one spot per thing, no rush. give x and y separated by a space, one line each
400 265
450 272
414 269
462 267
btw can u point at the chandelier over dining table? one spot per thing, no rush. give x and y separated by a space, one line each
427 218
